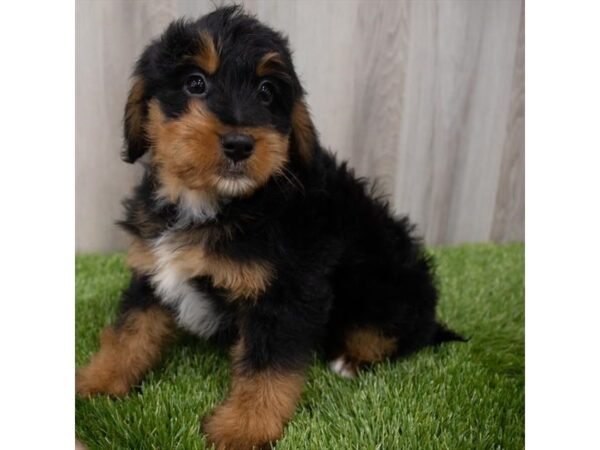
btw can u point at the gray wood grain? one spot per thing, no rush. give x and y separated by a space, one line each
509 212
425 96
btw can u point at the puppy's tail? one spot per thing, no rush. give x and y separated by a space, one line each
444 334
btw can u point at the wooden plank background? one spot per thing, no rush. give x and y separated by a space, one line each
426 96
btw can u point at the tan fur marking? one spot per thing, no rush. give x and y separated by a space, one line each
270 154
243 280
303 130
208 58
188 153
257 409
171 187
134 111
272 64
185 150
247 280
140 258
368 345
126 353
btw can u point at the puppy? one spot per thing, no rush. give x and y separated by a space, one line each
245 231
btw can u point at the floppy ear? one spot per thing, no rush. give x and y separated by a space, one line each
136 111
304 135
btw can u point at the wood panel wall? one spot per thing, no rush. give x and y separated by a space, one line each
426 96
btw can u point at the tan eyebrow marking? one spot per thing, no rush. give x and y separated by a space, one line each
208 57
272 64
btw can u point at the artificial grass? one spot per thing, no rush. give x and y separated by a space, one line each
459 396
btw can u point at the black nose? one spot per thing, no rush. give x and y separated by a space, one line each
237 146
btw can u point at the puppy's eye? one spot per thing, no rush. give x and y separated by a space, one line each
266 92
195 84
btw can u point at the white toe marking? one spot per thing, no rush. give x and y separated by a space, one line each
337 365
340 366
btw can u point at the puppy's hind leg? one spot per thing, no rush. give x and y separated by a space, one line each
362 346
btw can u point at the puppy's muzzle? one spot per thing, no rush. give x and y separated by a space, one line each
237 146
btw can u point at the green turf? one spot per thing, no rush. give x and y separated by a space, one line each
460 396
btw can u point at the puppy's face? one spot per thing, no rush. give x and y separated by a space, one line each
218 105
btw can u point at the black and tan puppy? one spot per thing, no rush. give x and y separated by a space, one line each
245 231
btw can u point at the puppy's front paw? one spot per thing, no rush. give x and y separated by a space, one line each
102 374
90 381
232 428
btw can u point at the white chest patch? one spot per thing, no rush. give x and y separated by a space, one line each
194 311
192 206
196 206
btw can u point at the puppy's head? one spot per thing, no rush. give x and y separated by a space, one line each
218 106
